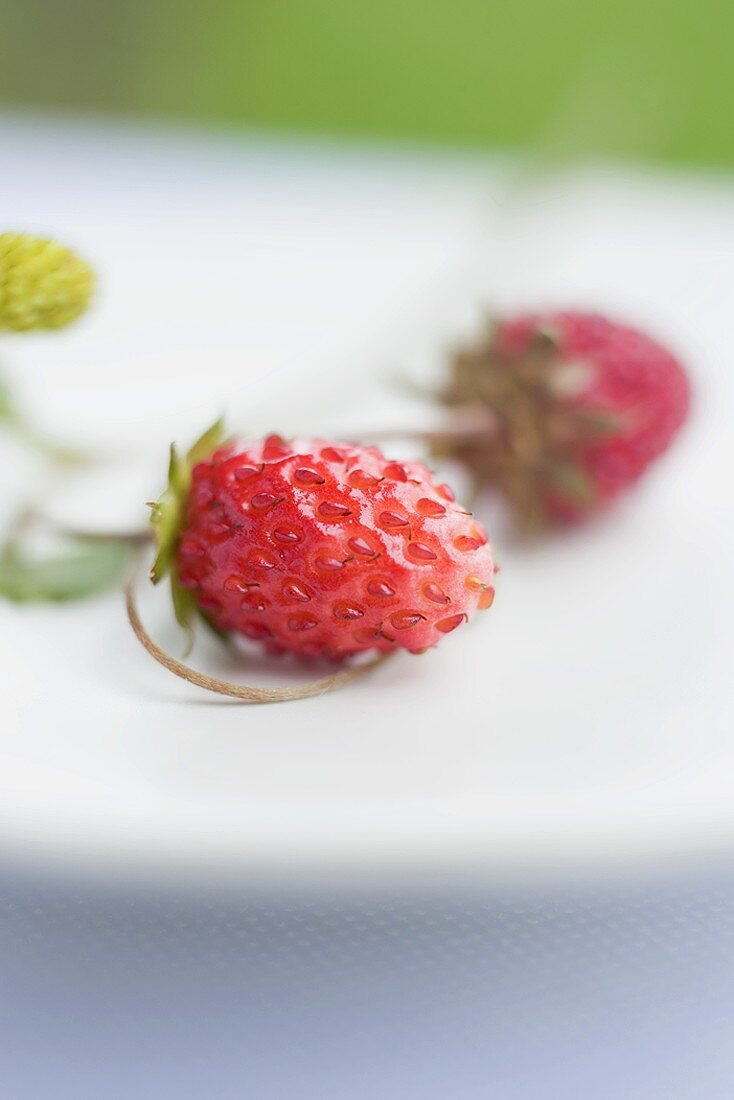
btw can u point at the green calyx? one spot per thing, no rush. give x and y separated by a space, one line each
168 514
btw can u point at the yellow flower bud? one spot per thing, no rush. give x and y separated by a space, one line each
42 284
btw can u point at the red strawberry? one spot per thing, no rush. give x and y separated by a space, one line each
319 548
582 405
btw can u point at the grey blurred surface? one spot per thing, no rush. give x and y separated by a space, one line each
573 988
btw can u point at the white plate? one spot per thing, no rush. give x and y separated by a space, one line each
588 714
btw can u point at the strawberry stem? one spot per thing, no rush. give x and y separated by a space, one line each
13 421
242 692
470 422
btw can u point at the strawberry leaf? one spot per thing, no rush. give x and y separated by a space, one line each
93 568
207 443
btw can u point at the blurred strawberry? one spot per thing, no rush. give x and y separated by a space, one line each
579 408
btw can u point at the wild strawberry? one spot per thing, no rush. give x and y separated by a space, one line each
581 406
318 548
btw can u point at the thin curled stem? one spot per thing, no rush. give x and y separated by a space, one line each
243 692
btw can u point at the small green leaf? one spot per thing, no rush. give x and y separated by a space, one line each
166 521
64 577
179 473
207 443
168 512
185 609
167 515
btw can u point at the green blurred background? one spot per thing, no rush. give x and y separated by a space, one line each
630 78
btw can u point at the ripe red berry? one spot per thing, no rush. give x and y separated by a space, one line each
582 405
320 548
